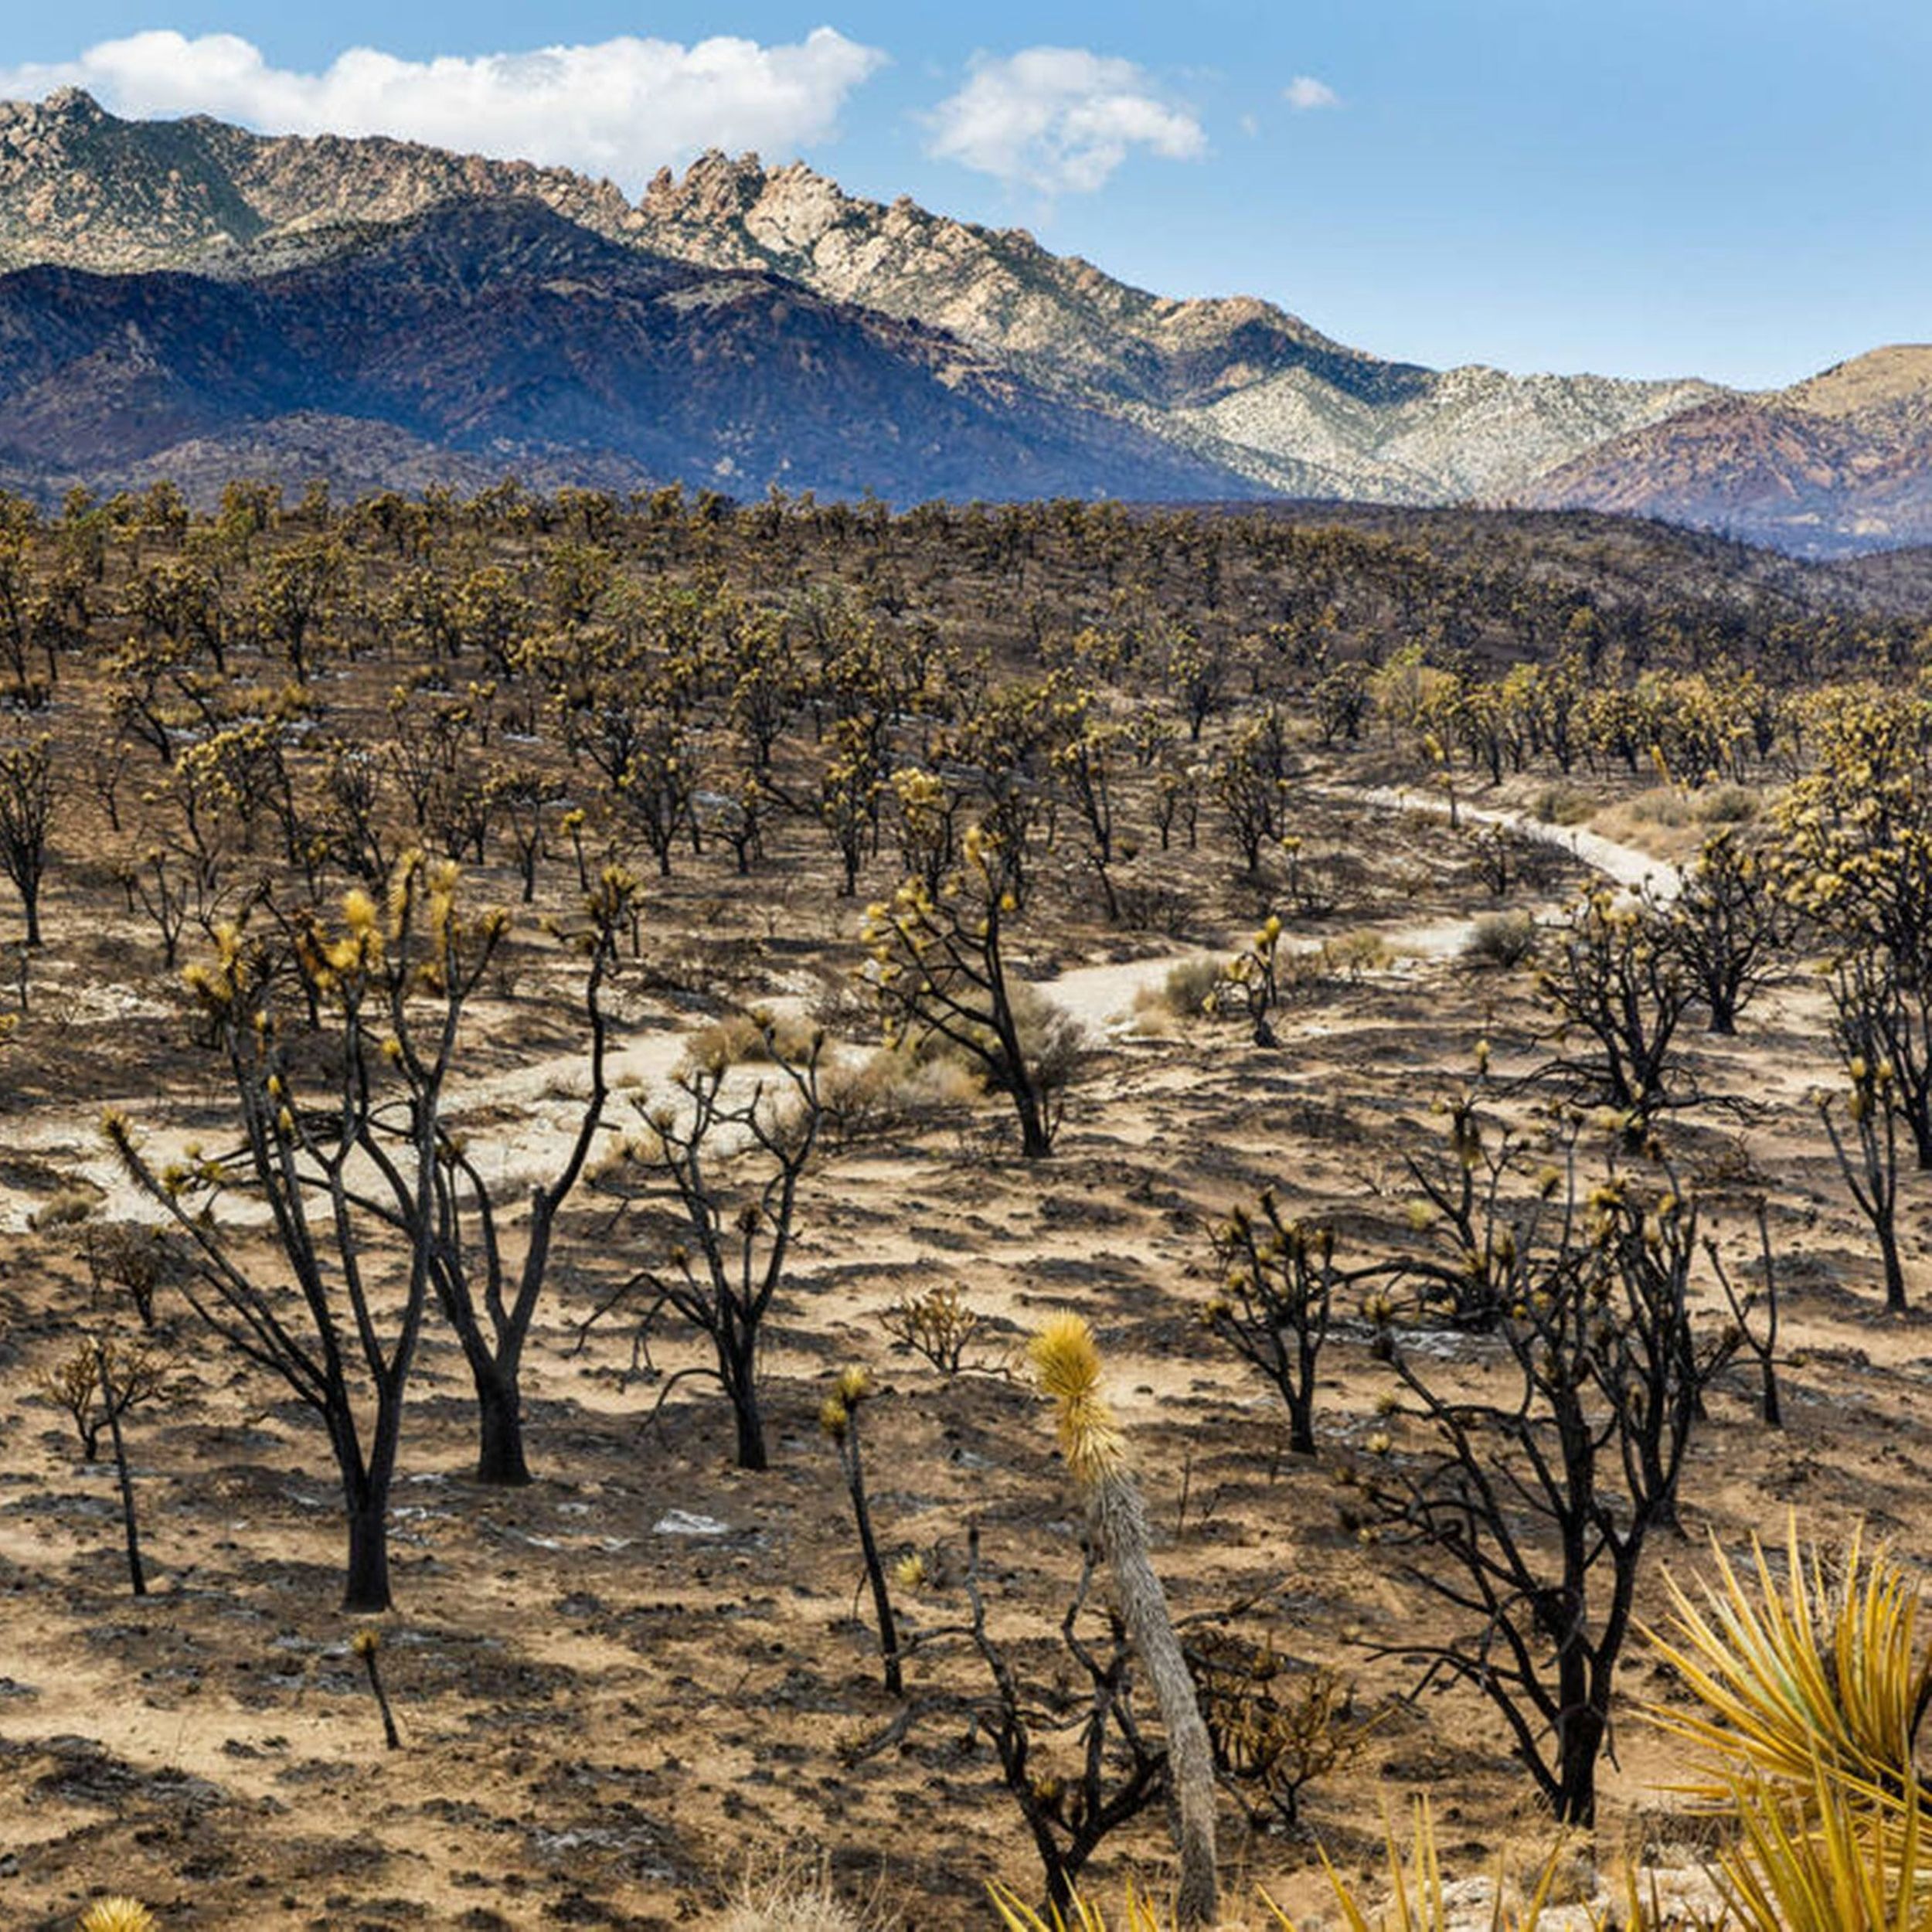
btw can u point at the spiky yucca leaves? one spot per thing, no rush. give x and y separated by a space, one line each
1821 1680
1823 1861
1139 1914
119 1913
1067 1363
1418 1900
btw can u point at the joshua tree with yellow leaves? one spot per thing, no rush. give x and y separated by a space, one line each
838 1417
1870 1163
349 1177
723 1276
490 1299
1527 1512
1251 982
1068 1364
939 969
1619 990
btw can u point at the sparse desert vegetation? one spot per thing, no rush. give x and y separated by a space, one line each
562 1053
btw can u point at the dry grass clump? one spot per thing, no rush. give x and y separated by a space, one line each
1502 939
797 1894
1349 955
1719 804
66 1207
1563 804
1184 993
892 1089
1051 1041
750 1038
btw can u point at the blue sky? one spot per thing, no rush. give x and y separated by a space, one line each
1645 188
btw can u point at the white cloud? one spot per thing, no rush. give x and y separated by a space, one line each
1304 92
1059 119
622 108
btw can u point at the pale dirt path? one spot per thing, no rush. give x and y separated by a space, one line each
545 1095
1633 869
1103 996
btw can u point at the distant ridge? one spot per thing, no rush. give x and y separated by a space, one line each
1156 396
488 335
1840 461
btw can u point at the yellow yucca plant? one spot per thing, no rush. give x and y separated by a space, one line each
1139 1914
1821 1861
119 1913
1819 1681
1417 1903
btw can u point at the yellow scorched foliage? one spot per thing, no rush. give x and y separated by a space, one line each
1066 1361
1821 1676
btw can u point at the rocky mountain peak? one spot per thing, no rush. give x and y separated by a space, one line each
716 187
1233 386
73 105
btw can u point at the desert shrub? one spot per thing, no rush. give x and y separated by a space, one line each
1661 805
1053 1042
1349 955
1726 805
1185 990
793 1896
750 1038
1501 939
892 1090
1561 804
938 1325
66 1208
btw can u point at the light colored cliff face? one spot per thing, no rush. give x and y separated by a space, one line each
1473 433
81 187
1235 380
994 287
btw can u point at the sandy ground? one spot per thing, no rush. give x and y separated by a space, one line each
622 1686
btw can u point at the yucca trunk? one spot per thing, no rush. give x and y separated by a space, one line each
1120 1521
1068 1363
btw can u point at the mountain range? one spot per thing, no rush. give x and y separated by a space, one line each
186 298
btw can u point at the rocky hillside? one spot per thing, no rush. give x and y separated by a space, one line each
1123 389
1236 382
80 187
1841 461
492 334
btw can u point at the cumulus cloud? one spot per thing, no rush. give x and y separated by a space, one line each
1059 119
622 107
1304 92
